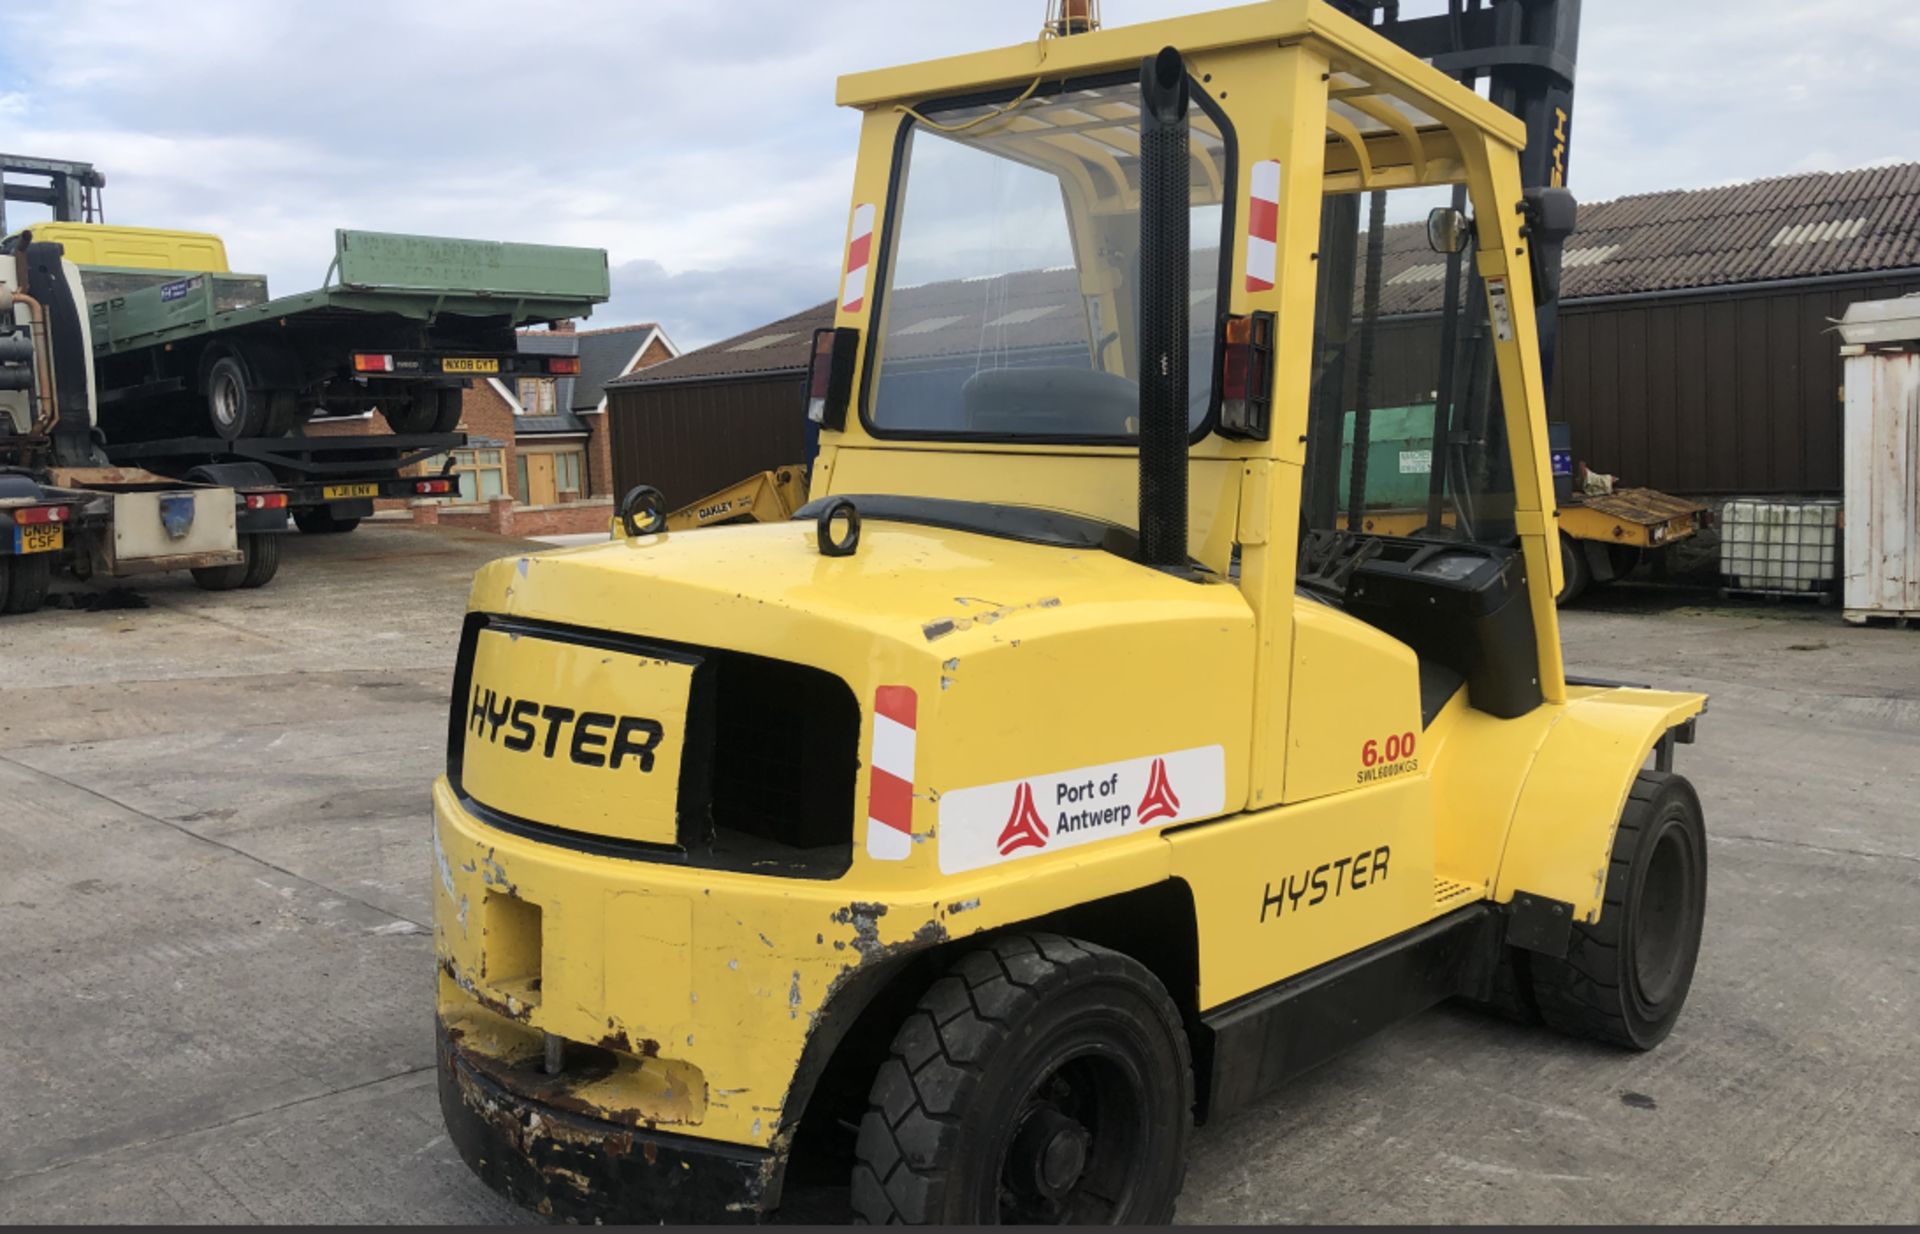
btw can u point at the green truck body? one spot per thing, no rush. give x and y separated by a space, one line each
421 278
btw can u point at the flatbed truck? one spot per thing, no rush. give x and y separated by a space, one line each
64 505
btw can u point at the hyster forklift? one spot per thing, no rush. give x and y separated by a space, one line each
1062 774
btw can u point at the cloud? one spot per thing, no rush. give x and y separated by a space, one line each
697 140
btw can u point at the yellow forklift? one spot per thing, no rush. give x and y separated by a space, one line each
1210 786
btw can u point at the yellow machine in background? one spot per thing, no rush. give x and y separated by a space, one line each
1051 781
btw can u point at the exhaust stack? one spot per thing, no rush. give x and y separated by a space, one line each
1165 198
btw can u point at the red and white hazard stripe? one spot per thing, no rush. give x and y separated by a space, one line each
1263 226
890 791
859 259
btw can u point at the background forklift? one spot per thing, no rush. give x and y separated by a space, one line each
1063 772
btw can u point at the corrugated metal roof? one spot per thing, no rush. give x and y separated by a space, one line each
1790 227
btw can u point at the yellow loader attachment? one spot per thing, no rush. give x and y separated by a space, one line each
1061 772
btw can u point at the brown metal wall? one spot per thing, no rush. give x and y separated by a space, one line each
1702 395
689 440
1720 394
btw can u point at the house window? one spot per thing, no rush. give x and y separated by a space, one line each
536 396
482 474
567 472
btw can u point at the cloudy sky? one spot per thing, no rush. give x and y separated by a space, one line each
697 141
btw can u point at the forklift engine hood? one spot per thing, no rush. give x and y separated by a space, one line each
712 695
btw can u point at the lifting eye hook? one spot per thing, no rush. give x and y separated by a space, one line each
648 499
843 546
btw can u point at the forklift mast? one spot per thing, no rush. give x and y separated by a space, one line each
70 189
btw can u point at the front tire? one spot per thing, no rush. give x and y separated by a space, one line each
1041 1080
1625 978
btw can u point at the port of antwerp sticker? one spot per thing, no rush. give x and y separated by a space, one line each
1039 814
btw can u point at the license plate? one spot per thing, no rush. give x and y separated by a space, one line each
41 538
334 492
461 364
576 737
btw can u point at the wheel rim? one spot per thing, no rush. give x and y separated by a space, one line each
1074 1148
1661 920
225 400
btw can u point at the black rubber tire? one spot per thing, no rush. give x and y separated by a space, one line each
1573 563
234 409
24 580
429 409
220 578
282 412
1626 977
321 521
1025 1015
263 558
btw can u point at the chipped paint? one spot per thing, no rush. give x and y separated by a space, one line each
494 876
963 906
446 870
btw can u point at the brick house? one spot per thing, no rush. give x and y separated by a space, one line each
541 441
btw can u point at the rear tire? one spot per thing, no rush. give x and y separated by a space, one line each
321 521
429 409
234 409
263 558
1573 564
1039 1081
24 580
263 561
1625 978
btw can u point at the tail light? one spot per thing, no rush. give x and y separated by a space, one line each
266 501
1246 377
32 515
830 376
432 488
364 362
563 366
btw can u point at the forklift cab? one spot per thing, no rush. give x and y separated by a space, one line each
993 290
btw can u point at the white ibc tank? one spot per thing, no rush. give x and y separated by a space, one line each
1780 547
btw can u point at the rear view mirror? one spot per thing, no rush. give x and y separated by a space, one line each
1448 230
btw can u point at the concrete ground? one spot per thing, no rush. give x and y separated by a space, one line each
214 907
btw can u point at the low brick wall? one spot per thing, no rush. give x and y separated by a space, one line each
503 518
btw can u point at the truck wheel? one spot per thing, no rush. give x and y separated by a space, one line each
282 412
24 580
263 558
234 409
322 521
431 409
1573 564
1625 978
1039 1081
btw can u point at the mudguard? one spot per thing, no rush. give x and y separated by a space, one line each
1561 838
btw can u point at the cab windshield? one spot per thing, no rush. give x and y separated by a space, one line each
1011 292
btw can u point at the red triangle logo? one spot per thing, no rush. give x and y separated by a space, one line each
1161 801
1024 827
